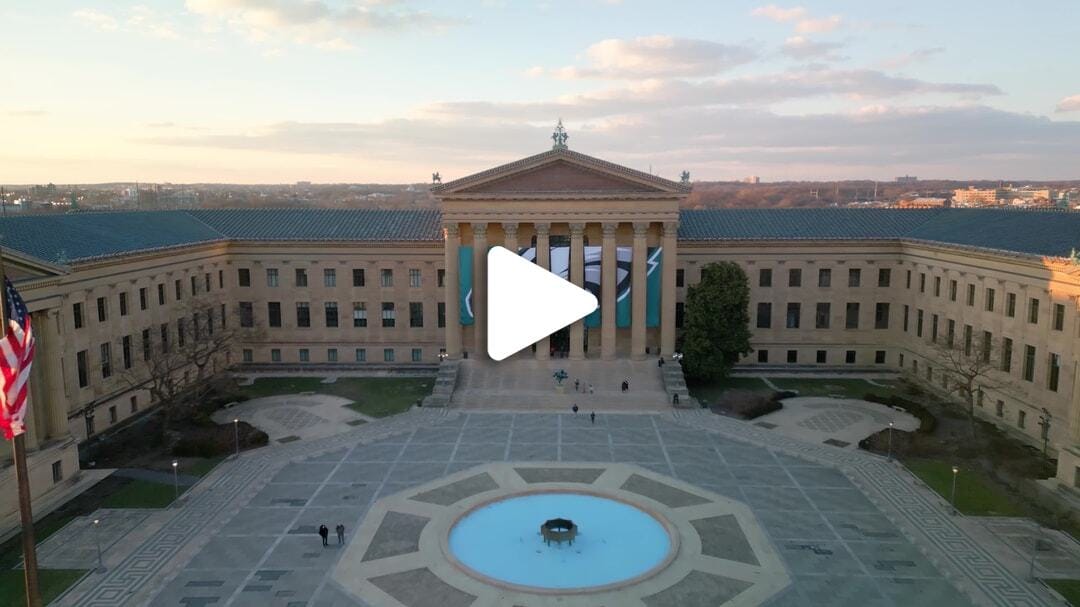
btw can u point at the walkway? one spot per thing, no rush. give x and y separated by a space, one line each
839 422
291 417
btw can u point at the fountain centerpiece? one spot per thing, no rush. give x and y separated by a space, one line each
558 530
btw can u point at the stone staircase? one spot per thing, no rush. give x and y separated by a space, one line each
675 386
445 383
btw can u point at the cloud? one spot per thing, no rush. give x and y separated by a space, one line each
27 113
800 47
915 56
654 56
818 26
138 19
96 19
776 13
1069 104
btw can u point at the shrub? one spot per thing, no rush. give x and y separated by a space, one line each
748 404
927 421
218 440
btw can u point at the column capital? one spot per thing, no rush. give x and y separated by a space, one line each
480 229
510 228
451 229
641 228
671 228
577 229
542 229
609 229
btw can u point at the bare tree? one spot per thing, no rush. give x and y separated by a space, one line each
970 365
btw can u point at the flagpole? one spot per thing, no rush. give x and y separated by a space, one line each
30 568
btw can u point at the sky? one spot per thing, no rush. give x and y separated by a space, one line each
390 91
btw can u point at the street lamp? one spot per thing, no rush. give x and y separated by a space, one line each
677 357
97 540
1044 422
443 356
952 499
176 479
236 433
890 440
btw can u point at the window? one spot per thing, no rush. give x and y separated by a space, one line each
881 315
416 314
80 363
967 340
884 277
331 355
918 323
854 277
221 279
442 314
361 355
934 328
440 278
952 290
1029 363
1059 317
388 355
247 314
329 277
822 356
57 471
248 355
879 357
1000 408
417 355
907 315
793 356
386 278
414 278
330 311
305 355
223 317
851 318
849 357
794 278
357 277
243 276
300 277
986 346
123 304
161 294
1010 305
178 289
272 277
990 300
113 418
106 360
273 313
76 311
194 286
146 344
821 316
1006 354
763 356
793 313
125 350
922 282
824 277
680 314
275 355
142 298
102 309
1033 311
937 286
165 337
1053 373
1021 419
764 278
180 332
971 295
764 315
680 277
303 314
359 314
388 316
951 339
907 284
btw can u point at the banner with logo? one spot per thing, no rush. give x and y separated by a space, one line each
465 285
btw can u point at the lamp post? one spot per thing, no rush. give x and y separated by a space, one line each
952 499
176 479
236 433
890 440
677 357
443 356
97 540
1044 423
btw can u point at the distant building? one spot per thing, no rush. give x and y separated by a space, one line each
751 179
972 197
907 179
922 203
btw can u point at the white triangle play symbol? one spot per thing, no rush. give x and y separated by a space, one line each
526 303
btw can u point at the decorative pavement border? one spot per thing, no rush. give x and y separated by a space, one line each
720 555
921 516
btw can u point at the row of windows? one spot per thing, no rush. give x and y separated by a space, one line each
821 357
822 315
990 300
824 277
331 316
144 298
359 277
359 355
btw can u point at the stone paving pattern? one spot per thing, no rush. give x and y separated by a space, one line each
252 529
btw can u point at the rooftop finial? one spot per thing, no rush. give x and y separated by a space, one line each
685 177
559 137
436 177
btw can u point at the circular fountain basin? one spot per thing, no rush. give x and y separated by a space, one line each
616 543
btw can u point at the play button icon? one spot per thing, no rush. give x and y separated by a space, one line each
526 303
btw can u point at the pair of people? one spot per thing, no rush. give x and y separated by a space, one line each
324 532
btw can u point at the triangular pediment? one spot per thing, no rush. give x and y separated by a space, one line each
560 172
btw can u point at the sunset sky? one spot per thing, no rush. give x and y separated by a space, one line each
273 91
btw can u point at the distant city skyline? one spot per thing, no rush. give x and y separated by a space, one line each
364 91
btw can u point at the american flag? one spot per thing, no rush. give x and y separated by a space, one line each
16 356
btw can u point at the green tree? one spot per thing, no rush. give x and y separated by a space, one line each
716 333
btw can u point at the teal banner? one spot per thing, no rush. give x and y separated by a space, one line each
465 284
654 259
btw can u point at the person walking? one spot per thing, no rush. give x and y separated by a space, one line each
591 390
574 408
324 533
340 534
660 363
577 385
592 417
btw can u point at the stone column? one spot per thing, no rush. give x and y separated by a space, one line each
669 261
55 387
577 276
451 287
480 289
637 291
510 236
608 286
543 259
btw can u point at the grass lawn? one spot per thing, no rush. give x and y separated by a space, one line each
709 392
52 583
974 494
1070 589
141 494
200 466
374 396
845 387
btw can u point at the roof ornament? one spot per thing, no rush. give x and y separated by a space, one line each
436 178
1074 257
559 137
684 177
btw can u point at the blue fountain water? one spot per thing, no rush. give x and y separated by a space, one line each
615 541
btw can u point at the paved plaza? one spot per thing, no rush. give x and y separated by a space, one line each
850 528
839 422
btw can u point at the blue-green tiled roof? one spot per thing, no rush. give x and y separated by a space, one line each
324 224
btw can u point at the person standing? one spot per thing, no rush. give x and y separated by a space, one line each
592 417
340 534
577 385
324 533
574 408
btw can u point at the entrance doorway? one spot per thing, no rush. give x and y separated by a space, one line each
560 343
